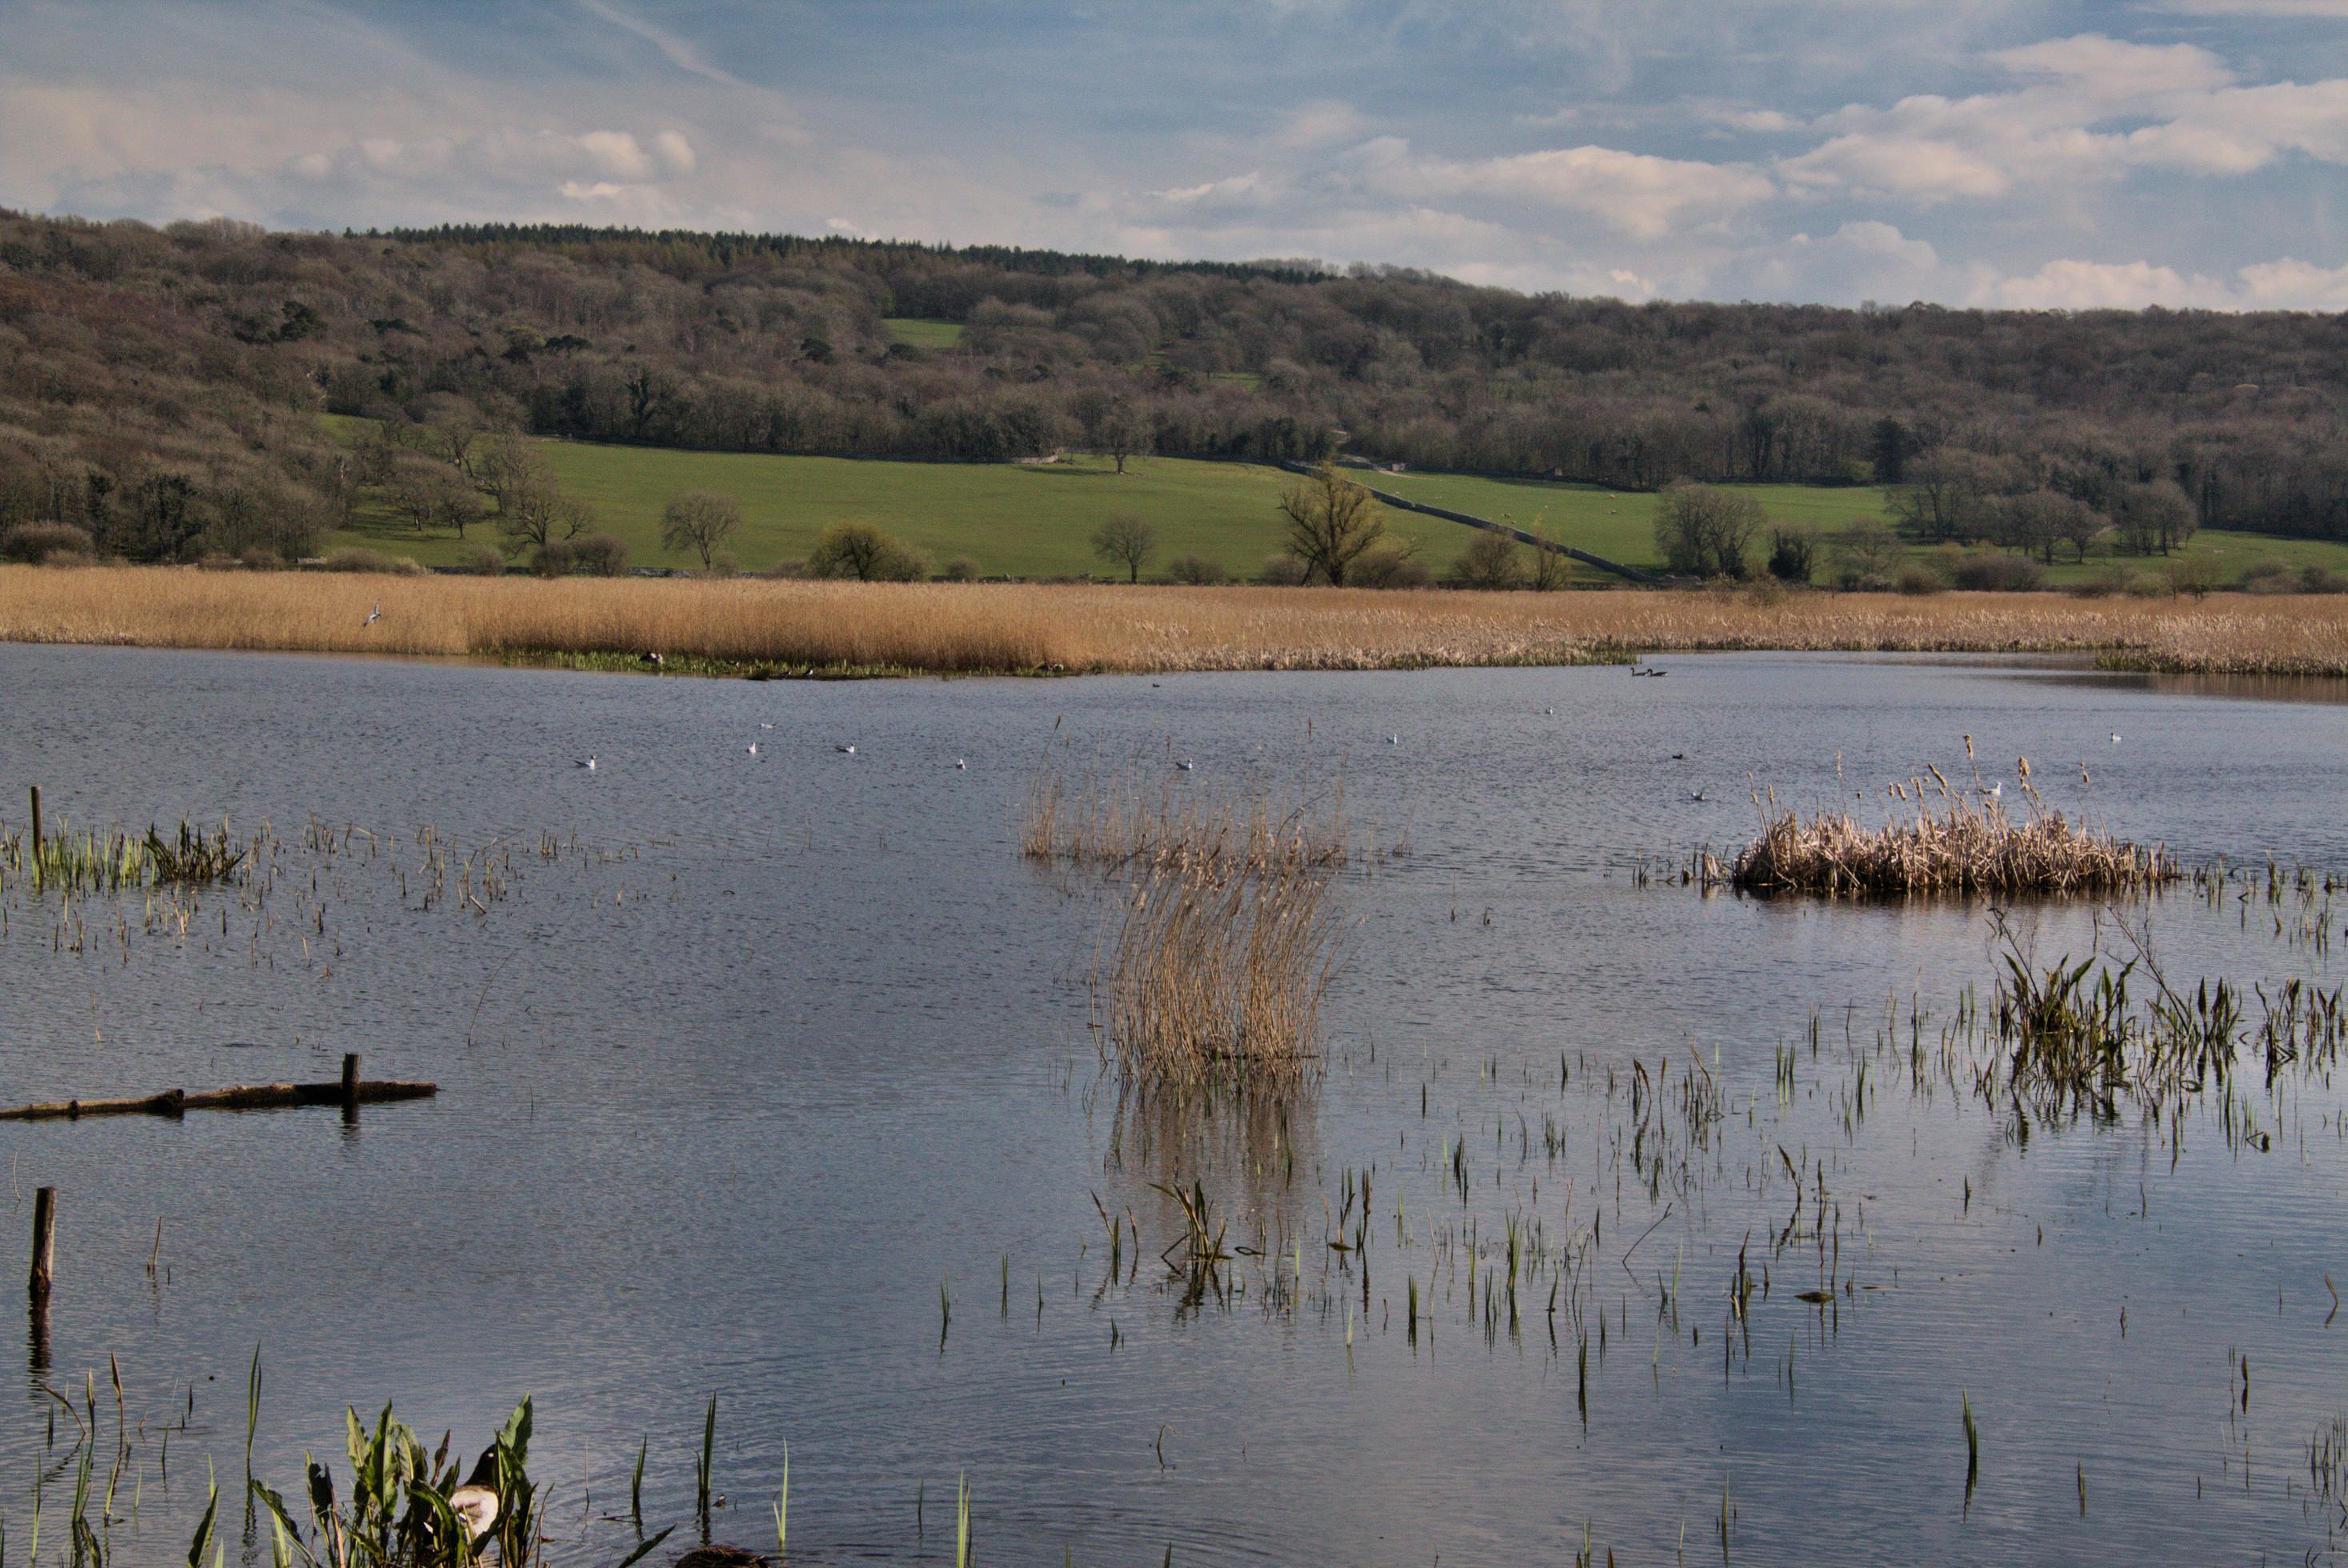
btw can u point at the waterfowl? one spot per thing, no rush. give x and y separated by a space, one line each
586 762
845 750
373 615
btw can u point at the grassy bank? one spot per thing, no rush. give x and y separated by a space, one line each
801 627
1037 520
1620 524
1012 520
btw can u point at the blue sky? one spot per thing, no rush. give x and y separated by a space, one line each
2001 152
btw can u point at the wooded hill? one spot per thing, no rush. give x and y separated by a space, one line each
161 389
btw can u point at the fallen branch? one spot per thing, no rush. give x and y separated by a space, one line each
174 1102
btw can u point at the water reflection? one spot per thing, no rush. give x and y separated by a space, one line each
732 1104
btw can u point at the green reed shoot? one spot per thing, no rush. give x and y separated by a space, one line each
961 1521
636 1484
701 1472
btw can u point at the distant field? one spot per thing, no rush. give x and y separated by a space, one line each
1037 520
916 333
1012 519
1620 525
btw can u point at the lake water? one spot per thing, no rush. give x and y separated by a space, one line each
771 1050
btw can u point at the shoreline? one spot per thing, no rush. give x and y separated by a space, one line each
767 629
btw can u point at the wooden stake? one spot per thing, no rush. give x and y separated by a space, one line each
45 1246
350 1086
36 825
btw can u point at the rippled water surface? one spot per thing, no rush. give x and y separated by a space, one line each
745 1059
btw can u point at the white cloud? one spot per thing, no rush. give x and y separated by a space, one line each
2070 284
2112 71
1637 193
677 50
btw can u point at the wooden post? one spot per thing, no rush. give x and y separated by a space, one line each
36 825
350 1086
45 1246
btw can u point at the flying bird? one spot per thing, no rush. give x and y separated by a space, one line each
586 762
376 614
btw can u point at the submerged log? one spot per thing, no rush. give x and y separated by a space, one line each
236 1096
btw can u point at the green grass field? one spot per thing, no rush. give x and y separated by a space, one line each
916 332
1037 520
1012 519
1620 525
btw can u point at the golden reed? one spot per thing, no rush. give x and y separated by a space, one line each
1006 628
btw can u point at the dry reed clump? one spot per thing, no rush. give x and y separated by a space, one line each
1967 844
1098 820
1218 979
1013 628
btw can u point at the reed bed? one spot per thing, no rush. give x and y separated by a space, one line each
2080 1035
1122 821
1217 979
84 860
948 628
1965 843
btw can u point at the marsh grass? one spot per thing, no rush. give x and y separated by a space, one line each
1958 840
739 625
1141 817
92 861
1217 978
2080 1035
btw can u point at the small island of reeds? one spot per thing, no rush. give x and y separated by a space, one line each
1958 840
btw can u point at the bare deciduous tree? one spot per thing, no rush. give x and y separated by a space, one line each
700 522
1708 532
1127 540
1332 522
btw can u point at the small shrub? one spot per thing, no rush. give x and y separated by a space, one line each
1283 571
1489 562
1917 579
790 570
2193 575
2099 584
1793 554
2269 577
1995 571
722 563
2146 585
357 558
962 568
34 542
599 554
1198 571
555 558
219 561
260 558
483 561
862 553
1389 569
2321 580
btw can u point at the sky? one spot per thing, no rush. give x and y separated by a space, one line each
2025 153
